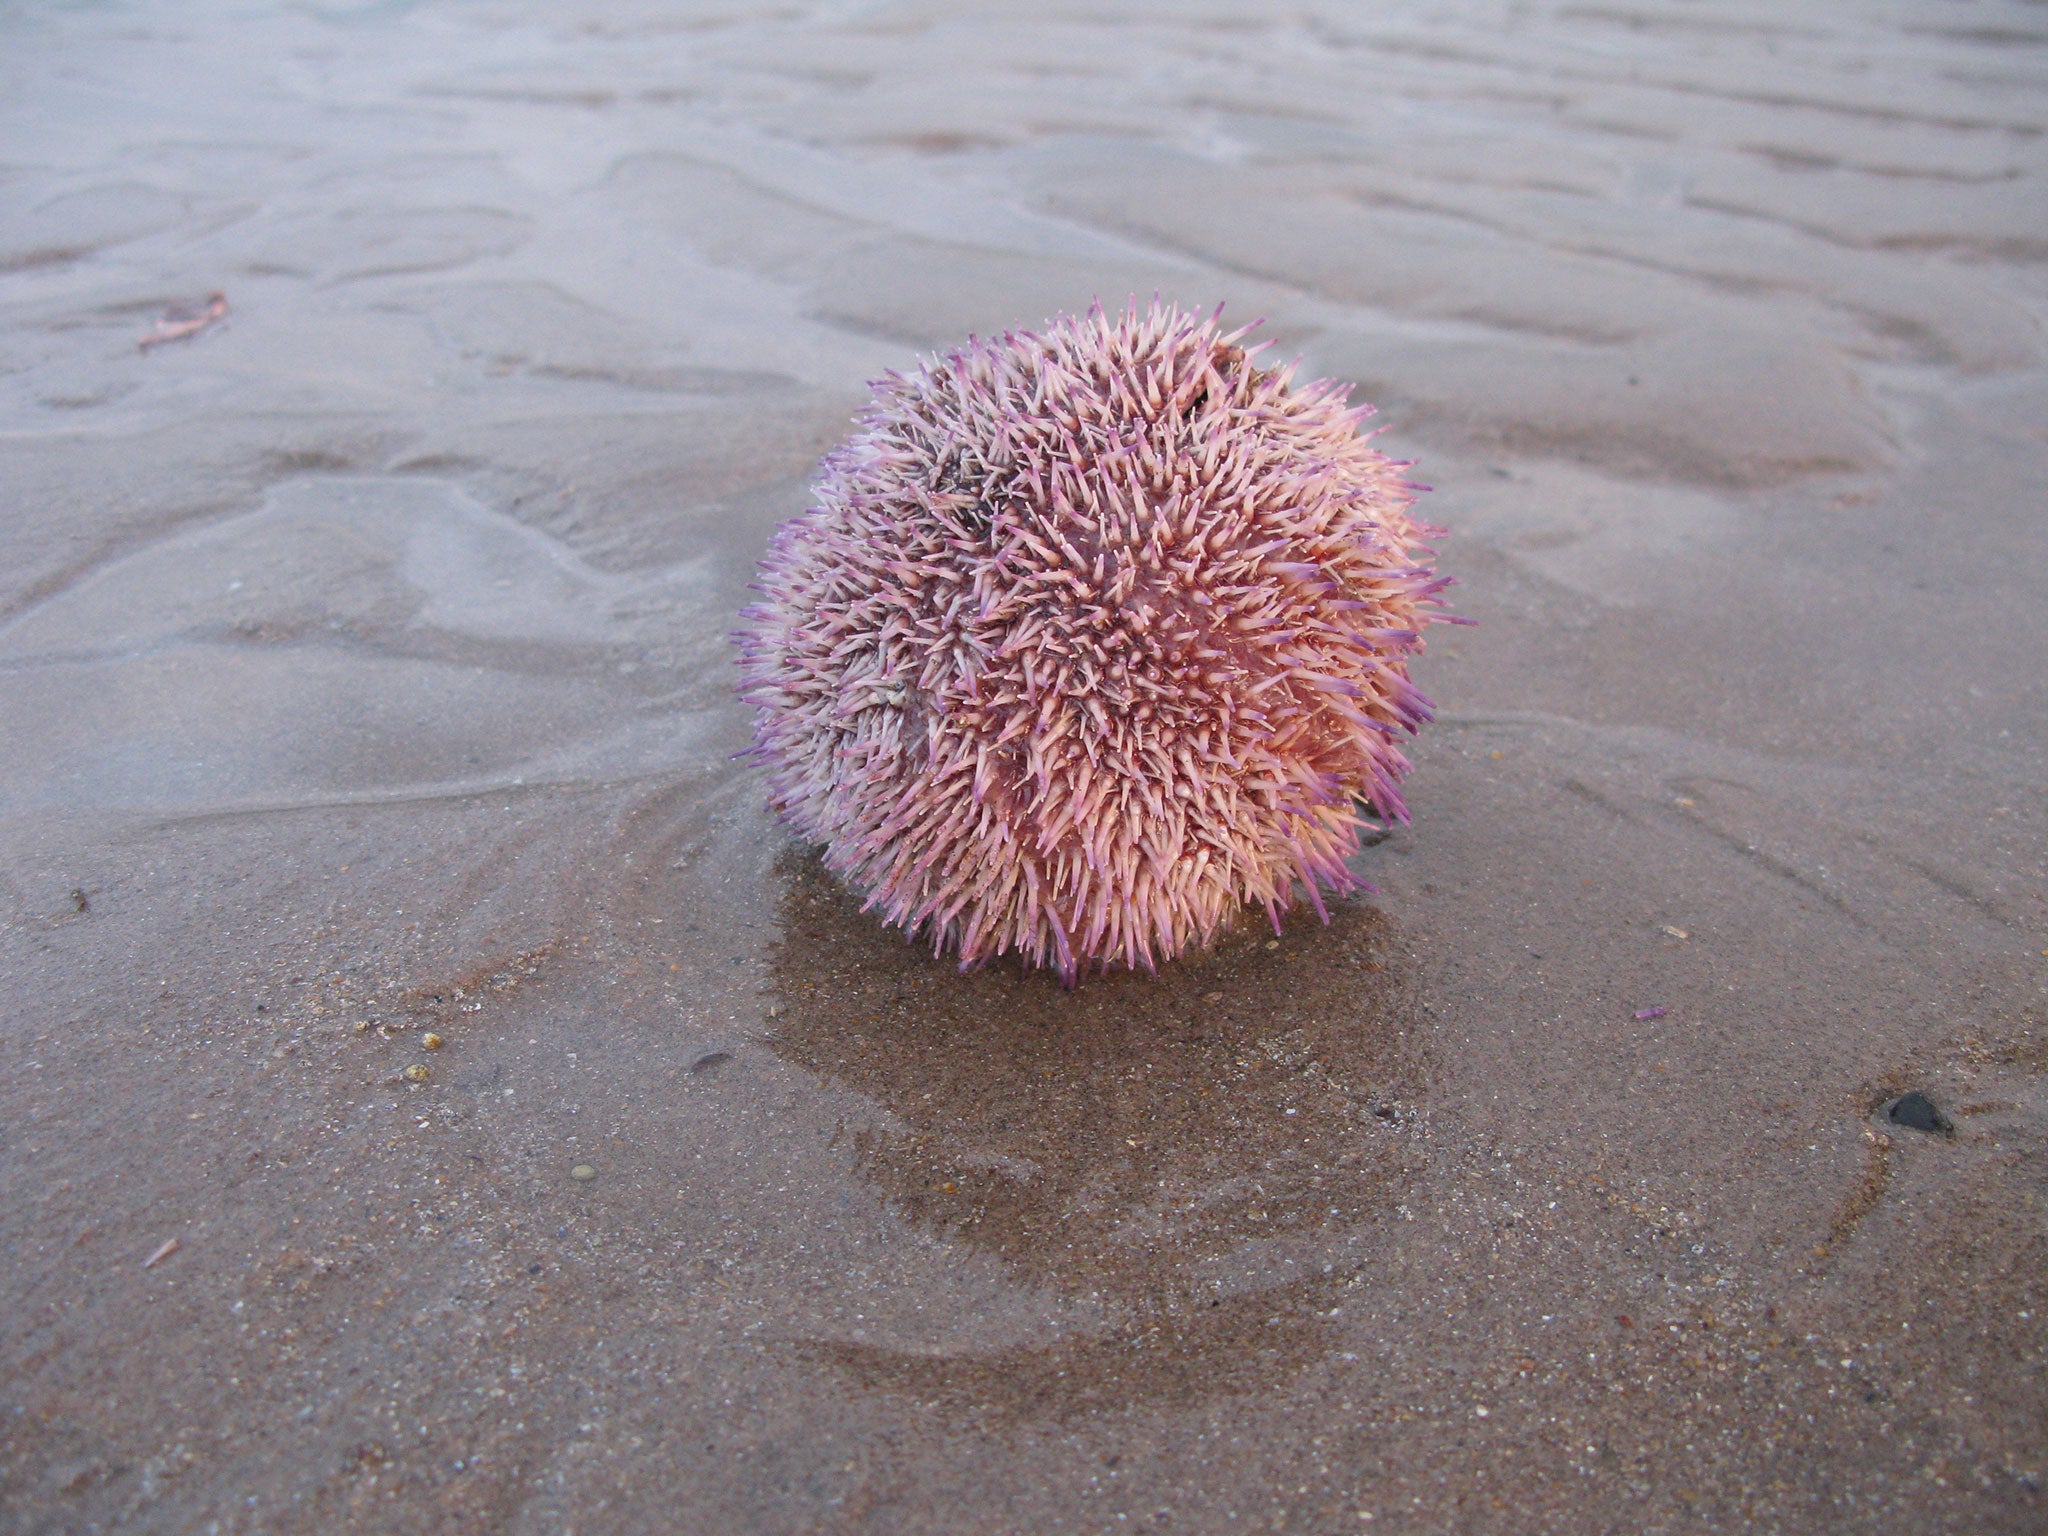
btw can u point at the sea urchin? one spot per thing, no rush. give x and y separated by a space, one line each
1092 637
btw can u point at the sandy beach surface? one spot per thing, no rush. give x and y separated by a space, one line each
364 675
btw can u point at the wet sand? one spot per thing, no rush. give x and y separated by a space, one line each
363 673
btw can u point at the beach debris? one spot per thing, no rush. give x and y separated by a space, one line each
164 1250
709 1060
1671 932
431 1041
416 1073
1651 1013
183 320
1053 721
1916 1112
583 1173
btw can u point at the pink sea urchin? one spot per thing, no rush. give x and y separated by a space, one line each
1092 637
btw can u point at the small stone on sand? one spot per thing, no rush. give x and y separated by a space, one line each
1916 1112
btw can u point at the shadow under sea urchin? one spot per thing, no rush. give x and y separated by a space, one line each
1092 637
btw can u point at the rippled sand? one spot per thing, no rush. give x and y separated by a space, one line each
363 672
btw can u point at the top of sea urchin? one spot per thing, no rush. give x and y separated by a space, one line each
1092 637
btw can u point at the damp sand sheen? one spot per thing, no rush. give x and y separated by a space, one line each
1659 1148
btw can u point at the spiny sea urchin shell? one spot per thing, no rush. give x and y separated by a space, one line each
1092 637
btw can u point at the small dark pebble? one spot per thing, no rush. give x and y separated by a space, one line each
709 1060
533 1269
1917 1112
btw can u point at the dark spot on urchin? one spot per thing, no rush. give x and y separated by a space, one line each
1916 1112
